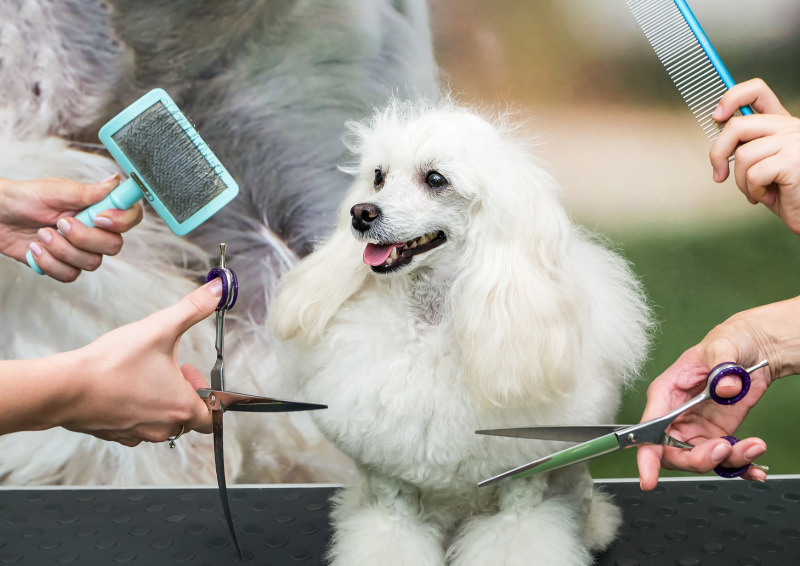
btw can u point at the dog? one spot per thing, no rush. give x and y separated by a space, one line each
269 86
456 294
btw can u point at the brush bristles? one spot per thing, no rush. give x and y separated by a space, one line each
173 164
683 57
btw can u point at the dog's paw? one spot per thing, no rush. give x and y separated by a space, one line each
545 535
378 534
602 523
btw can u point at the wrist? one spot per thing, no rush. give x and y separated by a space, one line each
775 332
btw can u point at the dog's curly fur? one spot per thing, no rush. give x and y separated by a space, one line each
517 317
269 85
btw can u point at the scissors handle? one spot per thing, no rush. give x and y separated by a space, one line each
728 369
230 284
724 472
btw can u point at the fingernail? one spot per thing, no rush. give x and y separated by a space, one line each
36 249
719 453
754 452
716 111
64 226
44 235
102 222
110 177
215 288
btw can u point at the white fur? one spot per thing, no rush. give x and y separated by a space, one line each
519 318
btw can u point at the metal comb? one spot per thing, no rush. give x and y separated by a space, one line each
688 57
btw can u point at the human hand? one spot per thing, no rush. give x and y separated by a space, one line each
767 150
768 332
132 388
30 212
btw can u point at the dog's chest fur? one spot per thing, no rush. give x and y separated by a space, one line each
389 368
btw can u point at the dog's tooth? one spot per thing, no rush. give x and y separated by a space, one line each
389 261
413 244
423 240
393 255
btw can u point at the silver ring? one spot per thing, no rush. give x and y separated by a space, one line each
172 439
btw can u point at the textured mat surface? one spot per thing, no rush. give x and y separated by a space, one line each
686 523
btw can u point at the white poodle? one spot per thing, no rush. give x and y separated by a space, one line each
454 295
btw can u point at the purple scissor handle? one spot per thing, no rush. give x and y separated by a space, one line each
230 284
729 369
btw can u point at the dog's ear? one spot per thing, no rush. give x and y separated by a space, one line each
515 305
310 293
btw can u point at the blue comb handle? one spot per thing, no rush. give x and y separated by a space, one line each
708 48
122 198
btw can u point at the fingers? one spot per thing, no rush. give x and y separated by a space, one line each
74 247
741 130
51 266
119 221
755 93
201 418
648 458
701 459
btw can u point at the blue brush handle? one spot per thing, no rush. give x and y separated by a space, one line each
726 77
123 197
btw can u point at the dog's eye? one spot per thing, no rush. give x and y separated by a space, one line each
378 178
436 180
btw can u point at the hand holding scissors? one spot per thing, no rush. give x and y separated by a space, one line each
704 425
599 440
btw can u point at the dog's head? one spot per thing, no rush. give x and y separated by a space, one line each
417 181
440 188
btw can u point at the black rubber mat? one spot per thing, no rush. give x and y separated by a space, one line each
682 523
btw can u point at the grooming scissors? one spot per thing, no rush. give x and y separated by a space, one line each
599 440
218 400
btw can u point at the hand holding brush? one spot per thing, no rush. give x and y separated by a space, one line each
29 211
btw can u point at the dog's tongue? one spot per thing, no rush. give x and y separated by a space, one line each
376 254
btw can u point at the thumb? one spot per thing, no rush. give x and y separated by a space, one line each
82 195
191 309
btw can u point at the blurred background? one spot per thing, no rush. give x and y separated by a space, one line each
634 164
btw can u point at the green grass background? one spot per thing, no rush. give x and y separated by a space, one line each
695 279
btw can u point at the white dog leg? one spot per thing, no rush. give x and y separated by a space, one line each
602 523
379 523
602 518
526 530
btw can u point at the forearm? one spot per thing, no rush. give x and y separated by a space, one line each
39 393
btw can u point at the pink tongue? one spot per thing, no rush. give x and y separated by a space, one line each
376 254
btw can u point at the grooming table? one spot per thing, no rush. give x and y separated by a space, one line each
703 522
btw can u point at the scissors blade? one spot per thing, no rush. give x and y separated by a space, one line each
219 462
565 433
580 453
217 400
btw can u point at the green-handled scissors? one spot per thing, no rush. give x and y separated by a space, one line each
598 440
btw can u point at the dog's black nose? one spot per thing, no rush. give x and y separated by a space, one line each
364 215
